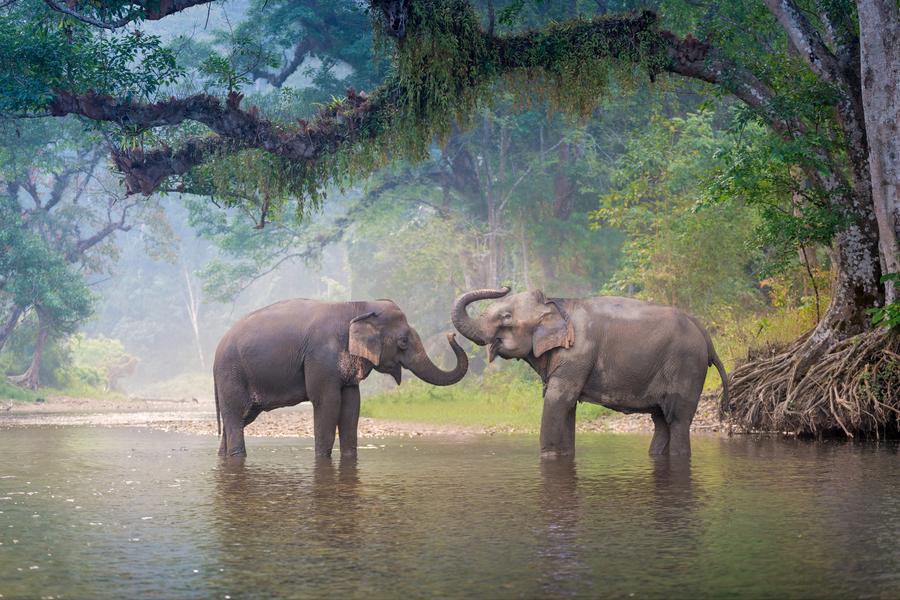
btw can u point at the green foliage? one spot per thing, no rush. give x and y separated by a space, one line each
34 274
72 366
442 70
222 72
679 251
888 315
883 379
571 63
42 51
97 354
765 171
259 184
17 353
8 391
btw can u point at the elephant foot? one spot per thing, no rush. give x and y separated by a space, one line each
323 453
349 453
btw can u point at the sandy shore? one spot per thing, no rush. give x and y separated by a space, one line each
198 417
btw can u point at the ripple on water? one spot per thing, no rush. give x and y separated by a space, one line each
92 512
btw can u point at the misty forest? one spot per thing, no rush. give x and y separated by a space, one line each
166 170
447 240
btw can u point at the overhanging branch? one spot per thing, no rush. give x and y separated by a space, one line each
234 128
358 117
153 10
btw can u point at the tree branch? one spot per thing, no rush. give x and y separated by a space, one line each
301 49
83 245
806 39
92 166
60 183
153 10
236 129
360 117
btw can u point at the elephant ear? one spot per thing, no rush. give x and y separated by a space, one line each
365 340
554 329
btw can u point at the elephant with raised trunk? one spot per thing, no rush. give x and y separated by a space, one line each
299 350
625 354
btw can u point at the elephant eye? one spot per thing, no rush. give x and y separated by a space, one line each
506 317
403 342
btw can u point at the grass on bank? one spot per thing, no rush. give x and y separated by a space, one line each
12 392
499 399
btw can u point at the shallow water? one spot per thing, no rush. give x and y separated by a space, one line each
98 513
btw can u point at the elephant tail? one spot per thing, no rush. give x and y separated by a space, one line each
724 407
713 359
218 412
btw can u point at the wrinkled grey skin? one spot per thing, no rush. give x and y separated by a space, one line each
625 354
299 350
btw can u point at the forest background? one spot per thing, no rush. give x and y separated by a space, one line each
671 191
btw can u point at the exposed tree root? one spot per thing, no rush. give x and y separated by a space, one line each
853 388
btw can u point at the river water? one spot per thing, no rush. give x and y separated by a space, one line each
116 512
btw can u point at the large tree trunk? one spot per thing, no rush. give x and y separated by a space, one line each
855 287
880 72
10 324
31 378
815 384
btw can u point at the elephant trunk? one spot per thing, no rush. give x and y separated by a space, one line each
465 324
418 362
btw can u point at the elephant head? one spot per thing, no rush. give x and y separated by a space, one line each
384 338
516 326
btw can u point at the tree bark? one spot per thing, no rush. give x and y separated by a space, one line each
10 324
856 269
880 70
31 378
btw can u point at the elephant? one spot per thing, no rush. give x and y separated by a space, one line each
299 349
628 355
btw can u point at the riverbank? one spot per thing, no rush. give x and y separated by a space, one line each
198 417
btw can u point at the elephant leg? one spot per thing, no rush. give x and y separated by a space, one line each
234 436
558 421
680 427
659 445
233 399
349 421
680 438
326 413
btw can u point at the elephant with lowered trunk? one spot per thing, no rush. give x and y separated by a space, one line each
625 354
299 350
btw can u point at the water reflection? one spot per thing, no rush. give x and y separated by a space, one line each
675 502
592 527
560 555
321 501
106 513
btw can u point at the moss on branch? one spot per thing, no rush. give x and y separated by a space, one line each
446 66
